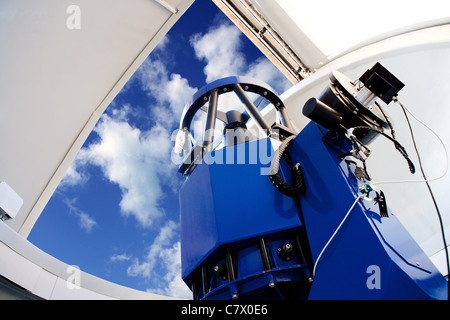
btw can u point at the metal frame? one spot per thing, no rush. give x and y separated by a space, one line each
211 92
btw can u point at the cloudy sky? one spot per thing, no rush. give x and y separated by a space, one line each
115 213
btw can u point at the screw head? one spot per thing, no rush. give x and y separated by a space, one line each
286 251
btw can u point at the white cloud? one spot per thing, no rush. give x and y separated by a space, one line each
171 91
162 264
163 43
220 48
73 177
163 240
262 69
120 257
172 284
85 221
137 162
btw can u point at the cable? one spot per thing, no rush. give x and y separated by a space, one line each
397 145
335 232
441 224
298 184
388 121
440 140
401 181
425 179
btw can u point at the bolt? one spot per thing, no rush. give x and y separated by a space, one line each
285 252
271 284
235 295
221 271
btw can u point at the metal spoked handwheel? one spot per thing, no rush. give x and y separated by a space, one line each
232 119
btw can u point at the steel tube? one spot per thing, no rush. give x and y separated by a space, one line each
205 280
210 121
285 117
264 254
230 268
251 108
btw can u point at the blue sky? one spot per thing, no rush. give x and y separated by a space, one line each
115 213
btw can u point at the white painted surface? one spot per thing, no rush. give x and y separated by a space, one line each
57 81
43 275
10 201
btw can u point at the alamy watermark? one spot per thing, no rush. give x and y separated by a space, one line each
73 281
73 21
374 279
259 151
